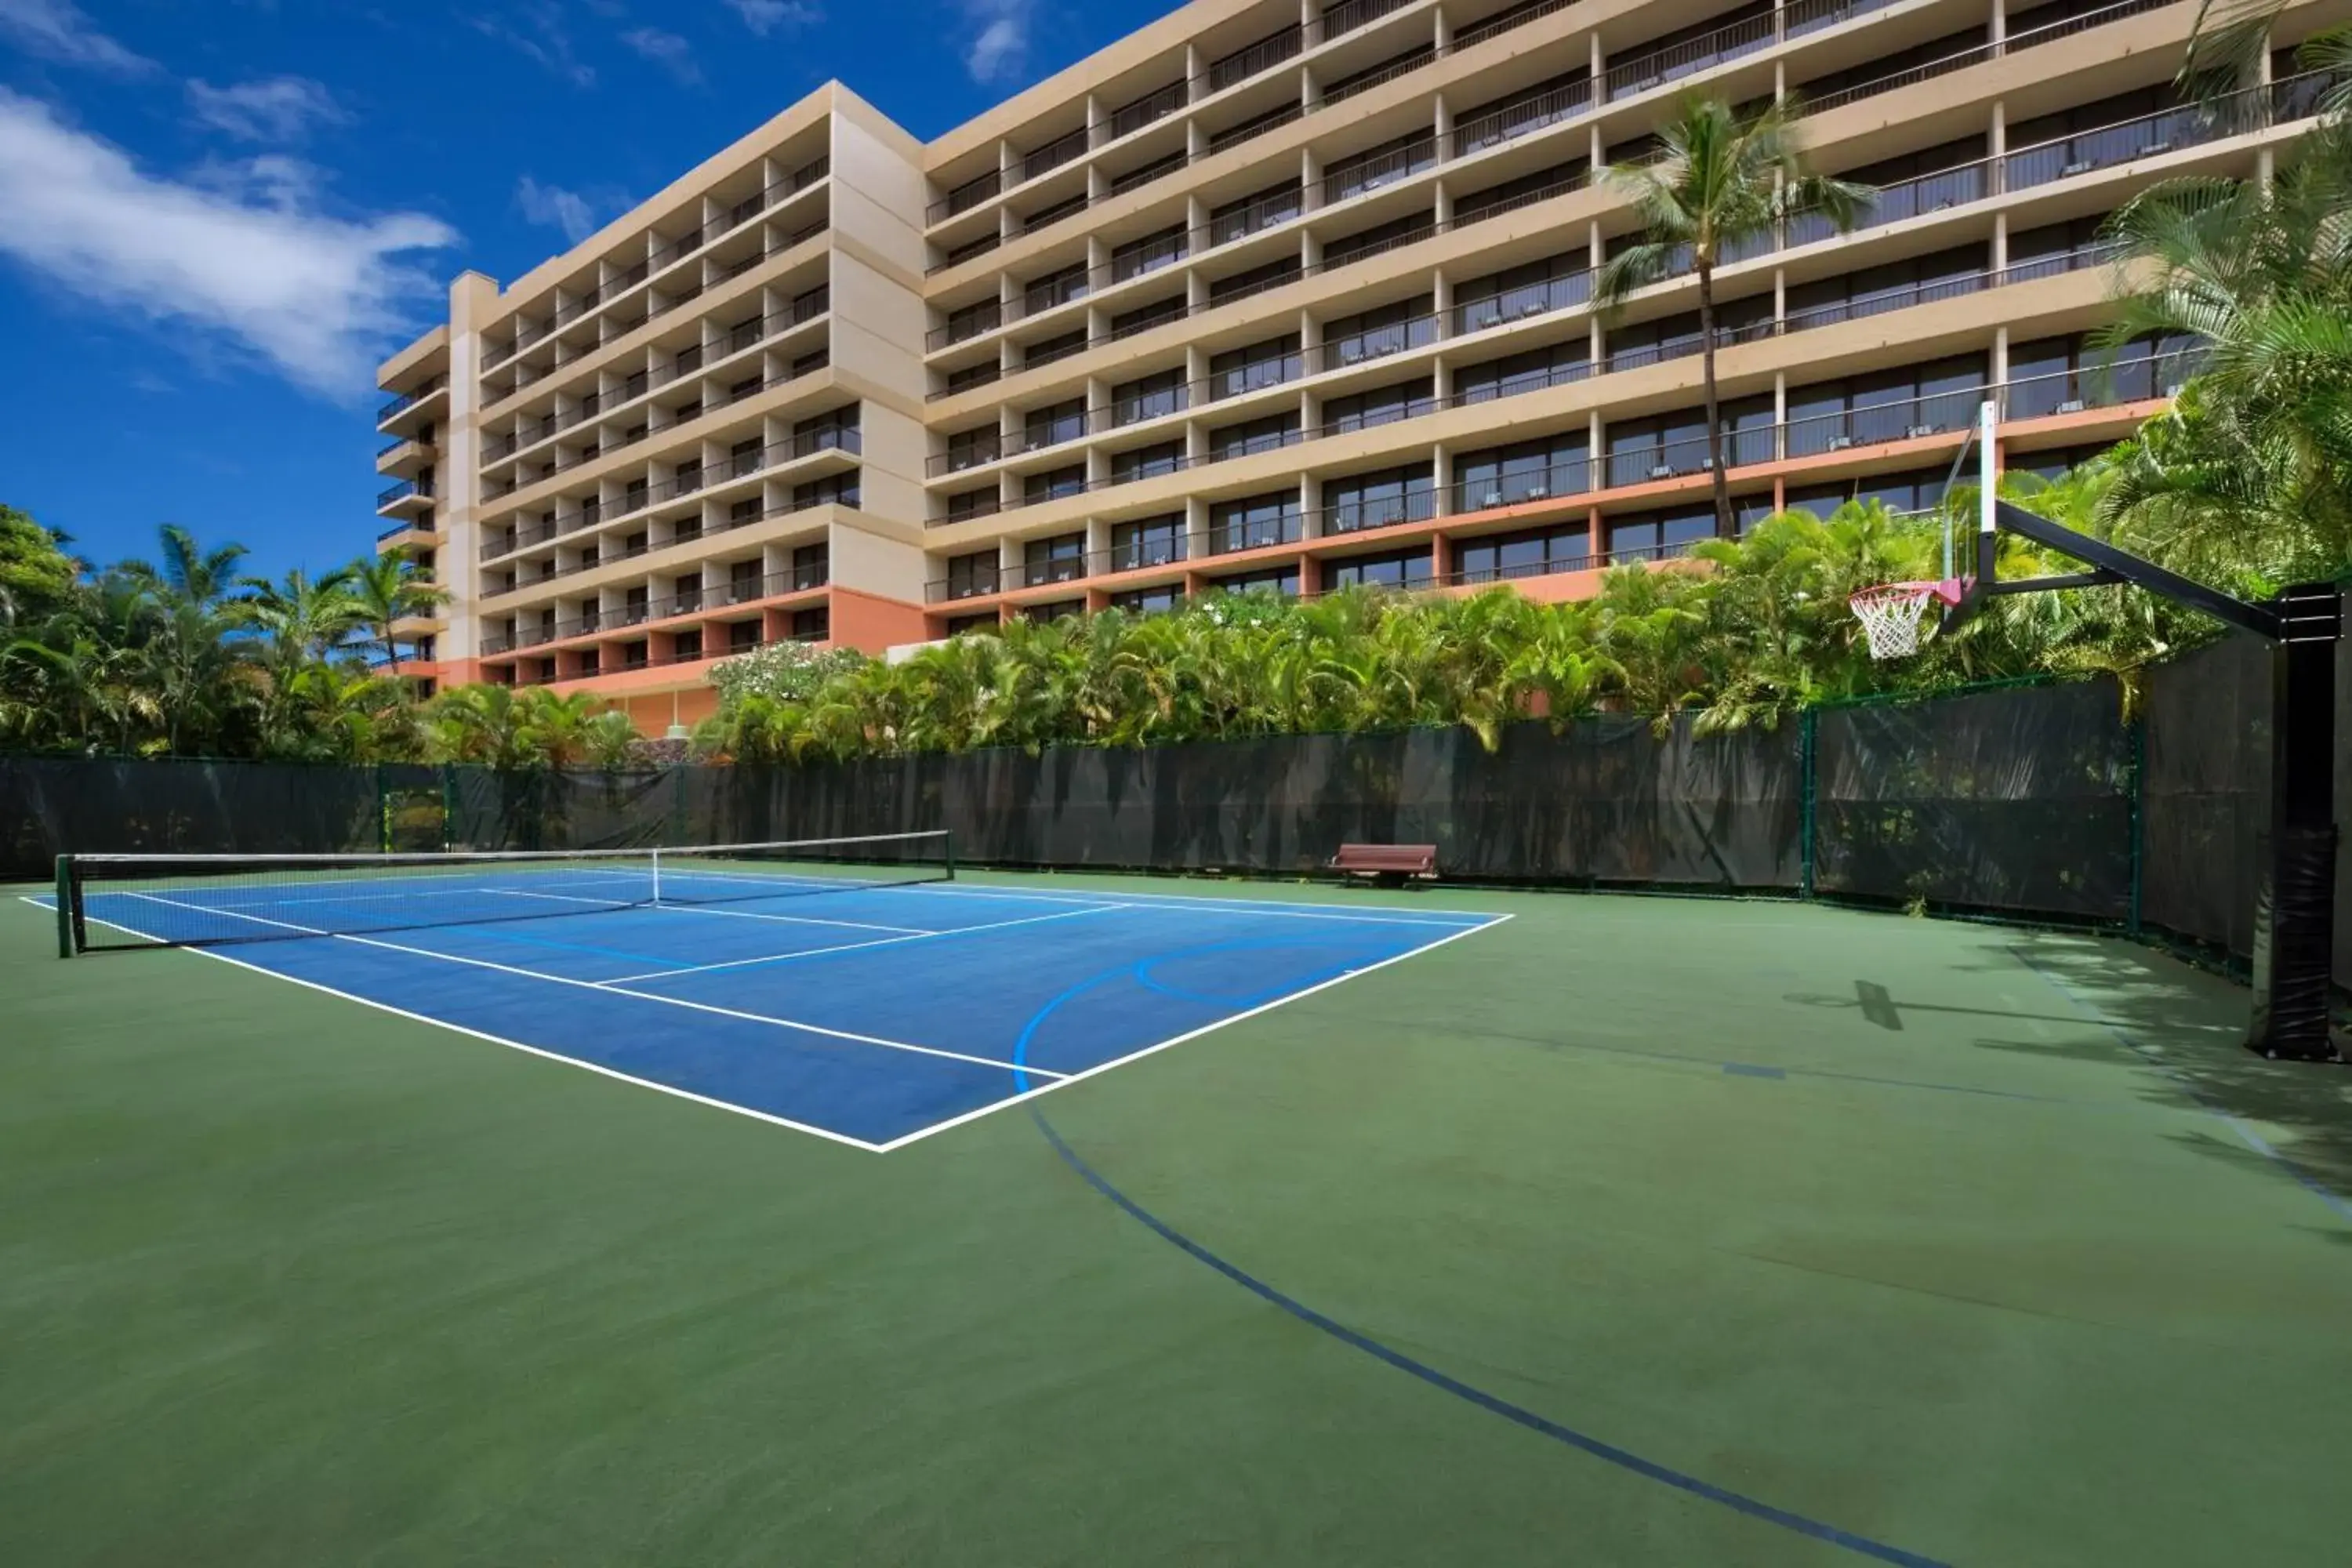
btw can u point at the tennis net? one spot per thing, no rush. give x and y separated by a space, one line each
112 901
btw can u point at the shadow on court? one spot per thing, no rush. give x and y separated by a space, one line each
2138 996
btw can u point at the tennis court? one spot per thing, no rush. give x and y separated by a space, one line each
1463 1225
897 1004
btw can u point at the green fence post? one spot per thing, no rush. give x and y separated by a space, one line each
1807 730
2139 817
382 814
64 907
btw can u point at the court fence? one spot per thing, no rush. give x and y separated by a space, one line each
2039 800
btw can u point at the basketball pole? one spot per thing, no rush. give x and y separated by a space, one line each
2294 903
1988 500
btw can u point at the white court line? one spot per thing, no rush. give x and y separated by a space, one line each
790 920
1060 1080
698 909
1453 919
920 1133
825 1132
848 946
611 990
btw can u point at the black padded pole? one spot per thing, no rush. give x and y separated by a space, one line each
2294 910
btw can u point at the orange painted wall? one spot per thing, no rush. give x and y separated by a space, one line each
870 623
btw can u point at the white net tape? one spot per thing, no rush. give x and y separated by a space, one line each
1890 617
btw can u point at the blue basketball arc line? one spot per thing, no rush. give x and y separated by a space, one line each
1494 1405
1650 1468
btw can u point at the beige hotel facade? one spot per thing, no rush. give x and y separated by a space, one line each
1285 296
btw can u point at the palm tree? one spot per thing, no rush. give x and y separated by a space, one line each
484 724
2247 479
1722 181
388 588
305 618
189 570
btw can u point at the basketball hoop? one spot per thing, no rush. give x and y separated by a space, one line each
1890 615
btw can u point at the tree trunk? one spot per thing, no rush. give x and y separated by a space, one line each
1714 453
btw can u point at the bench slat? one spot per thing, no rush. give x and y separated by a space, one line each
1418 859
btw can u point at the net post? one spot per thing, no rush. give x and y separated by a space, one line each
947 853
65 922
656 859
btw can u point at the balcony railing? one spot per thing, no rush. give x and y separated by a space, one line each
397 529
1961 60
977 582
698 360
631 501
1140 554
1228 71
408 400
627 616
403 490
500 489
1261 535
1376 511
1859 307
1728 44
663 257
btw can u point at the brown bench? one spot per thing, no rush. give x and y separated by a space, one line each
1387 863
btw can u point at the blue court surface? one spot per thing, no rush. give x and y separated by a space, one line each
871 1015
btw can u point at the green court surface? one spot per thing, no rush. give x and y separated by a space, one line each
1629 1230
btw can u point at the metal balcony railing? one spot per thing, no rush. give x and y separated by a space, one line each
501 489
626 279
638 499
1637 74
976 582
408 400
1354 516
1139 556
403 490
1259 534
697 359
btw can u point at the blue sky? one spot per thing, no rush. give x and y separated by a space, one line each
215 215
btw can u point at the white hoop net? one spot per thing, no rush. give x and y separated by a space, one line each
1891 616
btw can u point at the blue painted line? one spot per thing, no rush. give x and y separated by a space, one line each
2155 1058
1744 1069
1037 1019
1494 1405
1140 971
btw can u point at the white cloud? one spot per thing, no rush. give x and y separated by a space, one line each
554 206
541 37
56 30
242 252
280 108
764 17
1000 48
667 51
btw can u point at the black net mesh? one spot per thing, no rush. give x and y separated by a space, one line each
2205 792
1611 801
50 805
2016 801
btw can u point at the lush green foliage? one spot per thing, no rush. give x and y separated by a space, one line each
183 657
1758 628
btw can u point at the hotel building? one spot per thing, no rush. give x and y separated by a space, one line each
1280 295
